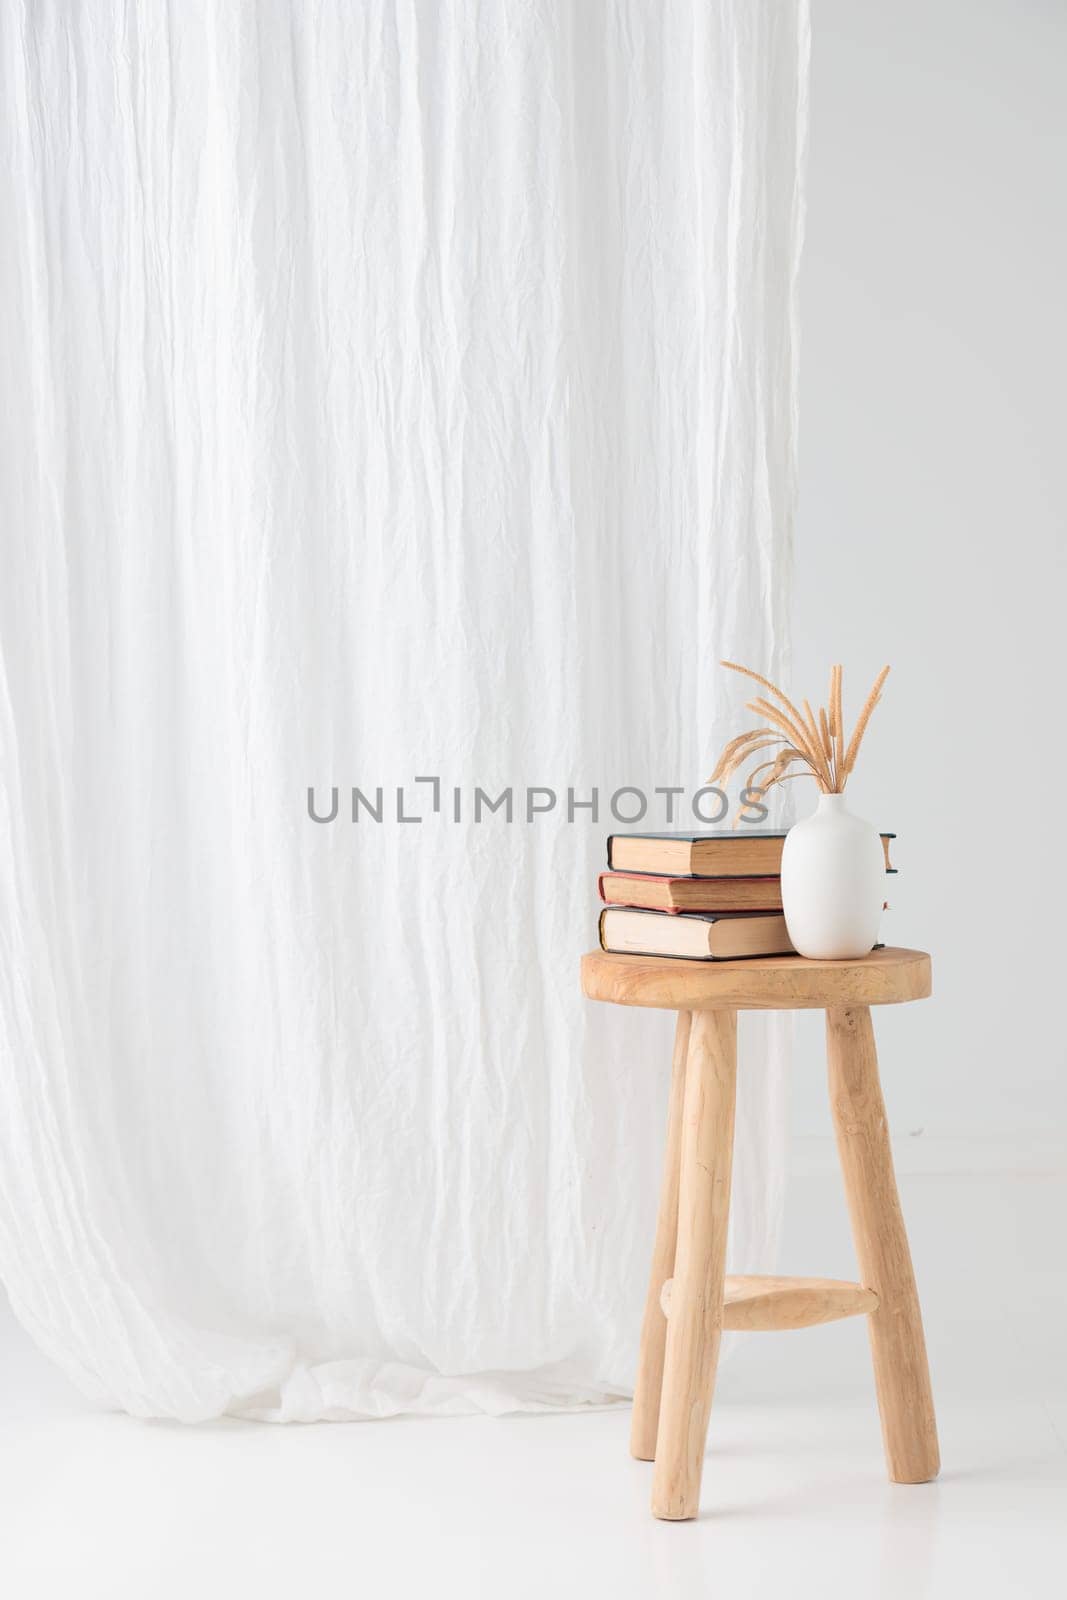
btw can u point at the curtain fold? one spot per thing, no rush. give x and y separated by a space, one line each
395 392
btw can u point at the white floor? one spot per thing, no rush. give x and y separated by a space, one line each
795 1501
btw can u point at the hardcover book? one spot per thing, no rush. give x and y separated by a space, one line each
651 893
729 853
723 937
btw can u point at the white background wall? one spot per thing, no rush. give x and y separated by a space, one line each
932 531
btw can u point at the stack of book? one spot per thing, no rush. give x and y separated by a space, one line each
700 896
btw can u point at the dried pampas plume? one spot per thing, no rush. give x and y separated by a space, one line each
811 741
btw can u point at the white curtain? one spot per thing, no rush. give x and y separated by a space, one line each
393 391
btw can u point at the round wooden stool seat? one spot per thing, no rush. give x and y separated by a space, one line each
760 983
690 1298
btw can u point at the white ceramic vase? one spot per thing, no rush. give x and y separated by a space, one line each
833 882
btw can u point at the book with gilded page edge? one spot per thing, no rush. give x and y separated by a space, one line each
646 891
726 937
726 854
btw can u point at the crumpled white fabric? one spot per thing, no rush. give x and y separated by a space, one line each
393 390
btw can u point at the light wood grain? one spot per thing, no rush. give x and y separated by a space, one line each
768 1304
902 1377
645 1419
694 1329
763 983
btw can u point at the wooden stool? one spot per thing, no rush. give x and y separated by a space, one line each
690 1300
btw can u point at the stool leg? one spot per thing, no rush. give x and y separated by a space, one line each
695 1323
645 1418
901 1374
